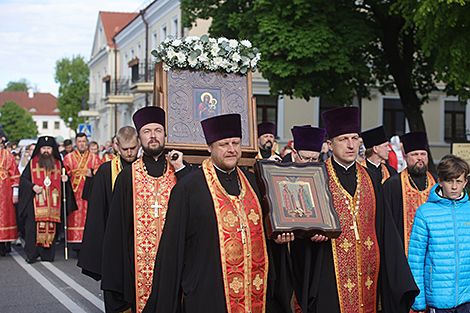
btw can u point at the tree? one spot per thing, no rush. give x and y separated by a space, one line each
17 122
335 49
21 85
73 78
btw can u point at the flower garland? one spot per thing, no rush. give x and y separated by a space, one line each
207 54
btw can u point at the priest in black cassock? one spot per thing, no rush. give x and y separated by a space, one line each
137 216
212 255
266 134
308 142
366 262
41 202
377 150
405 192
100 200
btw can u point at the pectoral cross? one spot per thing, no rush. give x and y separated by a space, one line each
243 231
156 207
356 232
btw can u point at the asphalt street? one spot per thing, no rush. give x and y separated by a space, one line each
57 286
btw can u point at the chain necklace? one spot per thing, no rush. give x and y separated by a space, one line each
243 226
156 206
416 186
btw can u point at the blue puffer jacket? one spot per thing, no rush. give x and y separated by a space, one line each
439 252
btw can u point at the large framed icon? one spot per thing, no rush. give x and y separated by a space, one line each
191 96
296 198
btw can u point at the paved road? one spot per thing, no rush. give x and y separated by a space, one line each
46 287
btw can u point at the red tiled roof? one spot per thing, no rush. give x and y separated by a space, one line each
44 103
113 22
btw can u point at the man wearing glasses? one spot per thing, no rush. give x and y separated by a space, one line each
308 142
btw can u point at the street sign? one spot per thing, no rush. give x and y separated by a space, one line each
84 128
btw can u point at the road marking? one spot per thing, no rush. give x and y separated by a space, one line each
78 288
53 290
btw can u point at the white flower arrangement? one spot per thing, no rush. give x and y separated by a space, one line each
207 54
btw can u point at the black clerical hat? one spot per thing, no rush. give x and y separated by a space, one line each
413 141
47 141
339 121
374 137
308 138
221 127
266 128
148 115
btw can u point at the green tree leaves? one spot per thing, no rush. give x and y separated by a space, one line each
21 85
17 122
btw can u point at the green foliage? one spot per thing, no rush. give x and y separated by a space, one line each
21 85
17 122
73 78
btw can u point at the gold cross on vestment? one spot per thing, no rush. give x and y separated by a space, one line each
356 232
243 231
156 207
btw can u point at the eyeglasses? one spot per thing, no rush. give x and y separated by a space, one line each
311 159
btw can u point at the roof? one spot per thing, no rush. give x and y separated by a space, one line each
113 22
43 103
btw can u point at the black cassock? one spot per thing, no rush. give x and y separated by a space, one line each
188 260
313 267
26 211
117 270
394 197
378 169
99 201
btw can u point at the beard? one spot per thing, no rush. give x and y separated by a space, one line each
153 152
418 170
268 145
46 160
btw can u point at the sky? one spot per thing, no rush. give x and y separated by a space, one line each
34 34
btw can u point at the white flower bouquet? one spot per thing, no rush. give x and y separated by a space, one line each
207 54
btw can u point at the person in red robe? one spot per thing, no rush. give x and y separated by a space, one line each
9 181
79 164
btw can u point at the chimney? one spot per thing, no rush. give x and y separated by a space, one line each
30 93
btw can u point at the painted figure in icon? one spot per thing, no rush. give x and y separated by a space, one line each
296 200
207 108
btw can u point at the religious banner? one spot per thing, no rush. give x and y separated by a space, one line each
296 198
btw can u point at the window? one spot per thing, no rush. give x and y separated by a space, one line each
154 40
266 109
44 125
394 117
56 125
174 27
163 32
325 106
454 129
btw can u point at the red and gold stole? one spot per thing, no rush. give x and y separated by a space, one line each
116 168
243 251
46 204
151 195
356 252
385 171
412 199
3 164
79 173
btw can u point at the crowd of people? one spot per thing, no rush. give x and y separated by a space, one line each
163 235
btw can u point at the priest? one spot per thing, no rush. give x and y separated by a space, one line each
266 134
78 163
41 200
137 216
377 149
404 193
101 196
213 256
308 142
366 263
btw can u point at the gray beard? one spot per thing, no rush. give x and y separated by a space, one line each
418 171
46 161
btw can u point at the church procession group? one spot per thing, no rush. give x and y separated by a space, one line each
165 236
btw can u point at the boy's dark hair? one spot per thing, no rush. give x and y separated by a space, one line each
67 142
451 167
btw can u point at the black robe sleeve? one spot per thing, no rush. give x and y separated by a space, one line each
100 198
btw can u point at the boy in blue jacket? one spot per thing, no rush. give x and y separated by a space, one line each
439 250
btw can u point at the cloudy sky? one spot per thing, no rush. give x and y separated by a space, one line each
34 34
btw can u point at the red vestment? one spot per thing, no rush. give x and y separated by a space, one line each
9 178
77 166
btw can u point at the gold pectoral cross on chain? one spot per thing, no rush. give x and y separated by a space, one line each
156 207
356 232
242 230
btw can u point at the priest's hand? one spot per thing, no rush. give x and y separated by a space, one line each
176 159
275 157
89 172
64 178
37 189
284 238
319 238
15 199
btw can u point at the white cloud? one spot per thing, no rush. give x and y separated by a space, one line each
35 34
